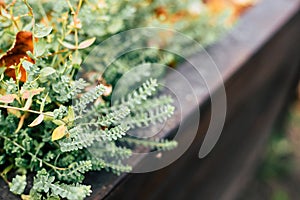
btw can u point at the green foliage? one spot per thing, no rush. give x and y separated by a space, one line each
113 134
156 143
67 88
89 97
114 117
43 182
59 113
109 150
75 171
79 138
53 125
18 184
154 103
138 96
82 138
278 162
151 116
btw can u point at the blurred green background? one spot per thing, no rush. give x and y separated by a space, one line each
278 177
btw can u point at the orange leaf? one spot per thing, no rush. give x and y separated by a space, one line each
161 12
238 7
23 43
2 4
21 122
59 132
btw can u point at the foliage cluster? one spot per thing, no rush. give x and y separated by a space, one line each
59 127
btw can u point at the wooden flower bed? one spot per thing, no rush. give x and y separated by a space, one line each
260 64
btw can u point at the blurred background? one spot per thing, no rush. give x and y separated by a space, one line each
278 176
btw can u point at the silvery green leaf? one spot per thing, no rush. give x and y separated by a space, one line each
47 71
41 31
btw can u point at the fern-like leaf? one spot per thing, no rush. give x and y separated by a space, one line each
113 133
145 118
114 117
75 172
45 183
151 104
79 138
159 144
88 98
116 167
141 94
109 151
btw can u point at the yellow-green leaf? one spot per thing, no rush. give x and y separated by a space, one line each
58 122
2 70
25 197
43 103
71 114
48 116
59 132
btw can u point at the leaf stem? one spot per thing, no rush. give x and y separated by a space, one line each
26 110
32 155
4 178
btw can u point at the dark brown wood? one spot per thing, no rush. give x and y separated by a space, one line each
260 63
